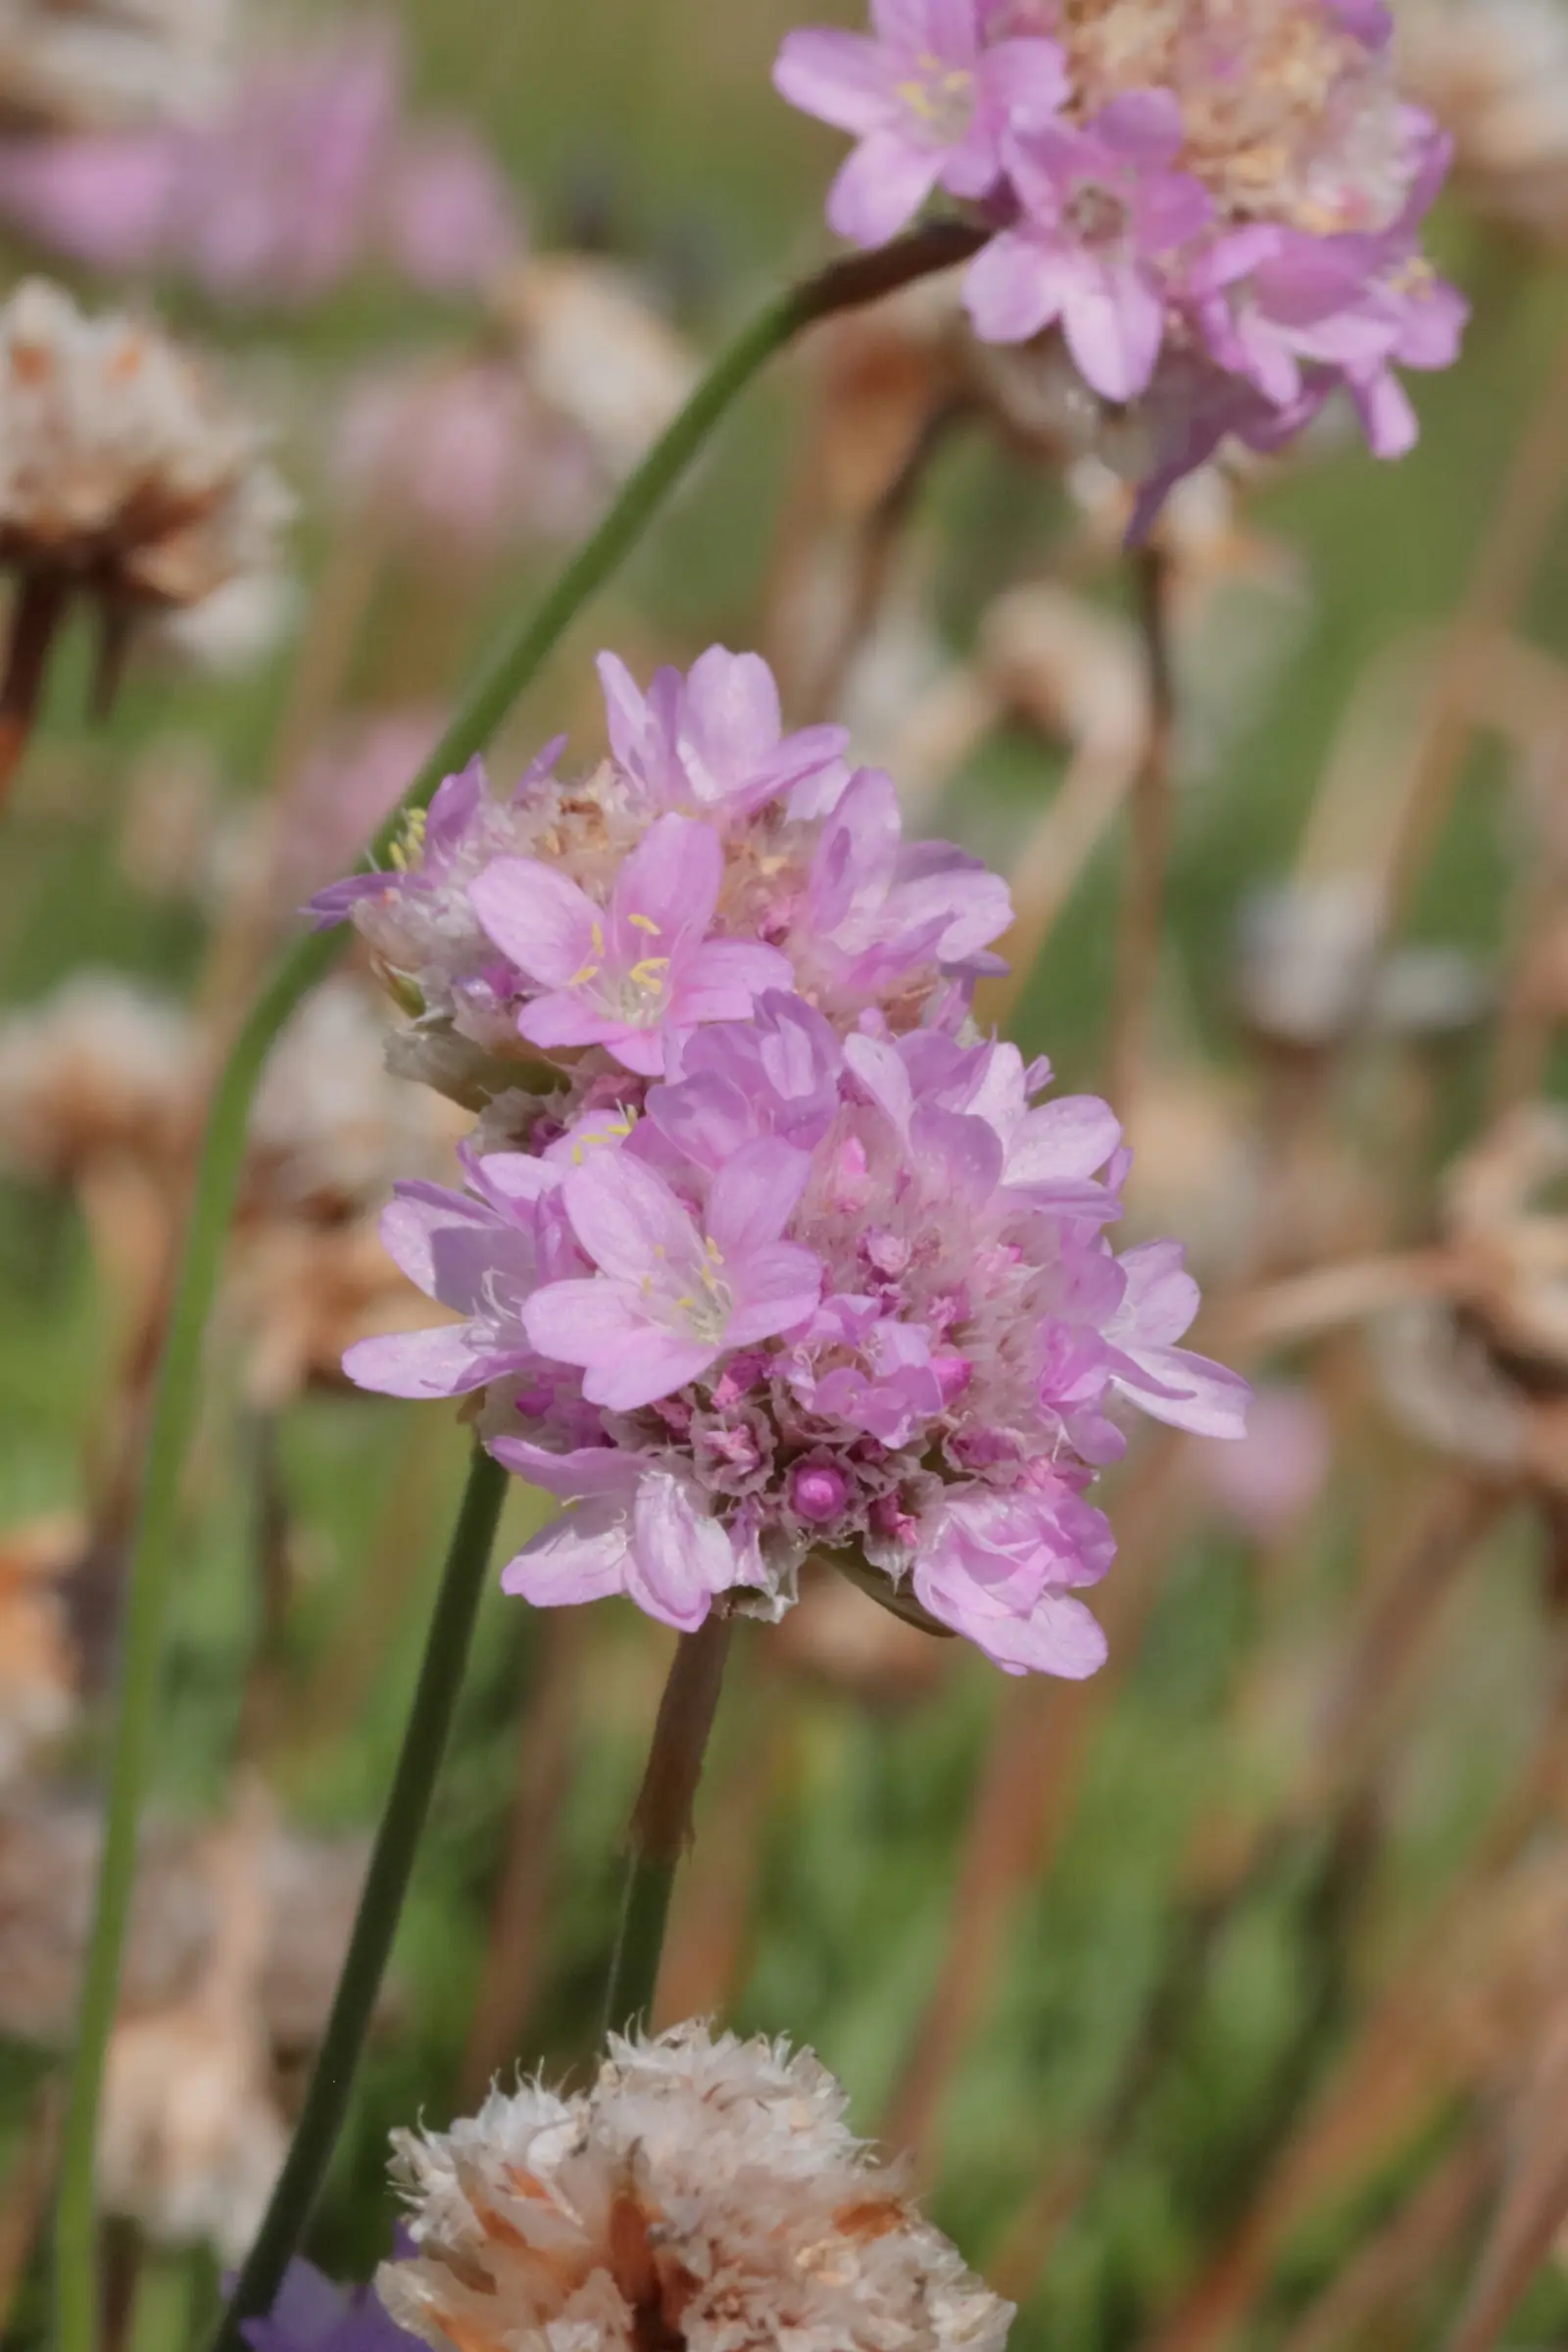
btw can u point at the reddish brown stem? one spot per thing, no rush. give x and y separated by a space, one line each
35 619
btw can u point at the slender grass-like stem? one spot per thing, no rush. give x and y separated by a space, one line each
1143 905
386 1882
662 1819
844 285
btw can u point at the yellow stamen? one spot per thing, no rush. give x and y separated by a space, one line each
643 922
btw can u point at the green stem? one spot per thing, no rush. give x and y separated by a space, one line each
843 286
386 1882
662 1819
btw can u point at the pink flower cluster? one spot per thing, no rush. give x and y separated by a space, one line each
765 1249
1217 203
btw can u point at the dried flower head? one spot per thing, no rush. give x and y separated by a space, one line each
123 472
99 1069
1494 74
703 2192
1214 204
74 65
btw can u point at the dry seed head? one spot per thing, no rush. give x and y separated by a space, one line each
703 2193
123 472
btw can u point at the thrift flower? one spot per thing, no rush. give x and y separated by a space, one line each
765 1251
703 2190
926 102
1216 204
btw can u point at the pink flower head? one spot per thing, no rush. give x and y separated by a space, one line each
712 742
749 1271
642 968
672 1297
928 105
1105 220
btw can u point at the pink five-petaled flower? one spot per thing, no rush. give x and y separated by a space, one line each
640 970
927 103
632 1527
671 1298
998 1567
1104 215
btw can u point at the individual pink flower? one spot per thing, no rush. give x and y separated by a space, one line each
999 1568
928 105
632 1527
639 970
673 1296
481 1254
1104 221
714 742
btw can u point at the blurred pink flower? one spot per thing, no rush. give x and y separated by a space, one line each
303 176
1269 1478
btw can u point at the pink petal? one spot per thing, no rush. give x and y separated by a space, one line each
732 711
1072 1137
586 1472
1114 323
1190 1391
723 979
779 1288
649 1363
754 1194
841 77
680 1558
542 922
1145 125
419 1363
581 1556
1015 285
881 187
578 1321
671 882
624 707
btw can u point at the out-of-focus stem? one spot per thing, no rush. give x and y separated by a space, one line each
1143 905
844 285
386 1884
35 617
662 1819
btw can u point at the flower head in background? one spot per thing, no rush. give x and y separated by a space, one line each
299 175
765 1249
126 479
111 64
704 2192
1216 202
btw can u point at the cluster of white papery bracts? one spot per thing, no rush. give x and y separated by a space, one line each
703 2191
1215 204
765 1251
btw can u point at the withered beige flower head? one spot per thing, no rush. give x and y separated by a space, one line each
704 2194
92 64
122 468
